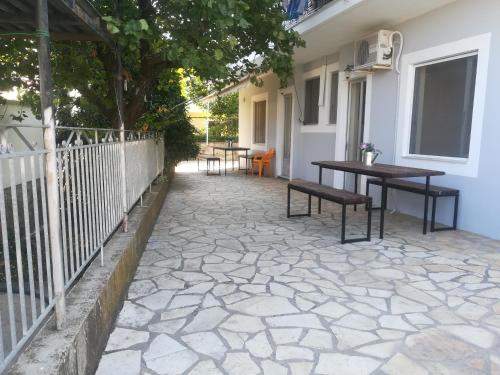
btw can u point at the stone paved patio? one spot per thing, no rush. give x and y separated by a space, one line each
229 285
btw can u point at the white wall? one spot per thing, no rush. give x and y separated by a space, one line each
31 134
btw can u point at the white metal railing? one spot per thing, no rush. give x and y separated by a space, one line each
91 208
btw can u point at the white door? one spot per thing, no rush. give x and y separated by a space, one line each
287 134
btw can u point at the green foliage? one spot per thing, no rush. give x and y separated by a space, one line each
164 114
217 40
222 130
225 107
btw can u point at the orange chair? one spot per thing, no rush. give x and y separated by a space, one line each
263 161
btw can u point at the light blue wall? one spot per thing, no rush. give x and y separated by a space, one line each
479 204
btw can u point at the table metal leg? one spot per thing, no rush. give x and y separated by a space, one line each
225 162
320 182
246 162
383 207
355 189
232 158
426 206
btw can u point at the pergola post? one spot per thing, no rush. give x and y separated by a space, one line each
49 137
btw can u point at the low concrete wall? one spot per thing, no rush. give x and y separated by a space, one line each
94 302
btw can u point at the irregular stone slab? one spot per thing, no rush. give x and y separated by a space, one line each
240 364
357 321
221 267
273 368
185 300
253 288
286 335
169 326
236 340
123 338
475 335
395 322
288 352
243 323
259 346
209 301
331 309
387 274
170 263
157 301
166 356
382 350
264 306
125 362
318 340
177 313
401 305
206 320
245 273
148 272
207 343
401 364
439 277
301 368
281 290
169 282
141 288
201 288
191 276
134 316
439 346
224 289
297 320
338 363
205 368
351 338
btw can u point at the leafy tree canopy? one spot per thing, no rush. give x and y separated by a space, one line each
216 40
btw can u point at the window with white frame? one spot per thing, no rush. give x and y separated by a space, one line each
311 107
334 90
443 101
259 122
442 106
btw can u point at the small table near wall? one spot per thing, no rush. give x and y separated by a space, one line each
232 150
384 172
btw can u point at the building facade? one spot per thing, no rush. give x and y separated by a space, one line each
436 107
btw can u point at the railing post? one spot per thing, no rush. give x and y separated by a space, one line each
49 137
119 102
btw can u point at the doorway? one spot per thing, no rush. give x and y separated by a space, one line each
355 125
287 134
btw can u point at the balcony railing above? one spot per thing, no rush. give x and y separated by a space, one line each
312 7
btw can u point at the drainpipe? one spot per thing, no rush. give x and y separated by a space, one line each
49 138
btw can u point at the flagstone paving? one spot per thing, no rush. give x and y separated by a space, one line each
229 285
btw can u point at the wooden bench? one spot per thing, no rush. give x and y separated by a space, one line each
419 188
341 197
210 159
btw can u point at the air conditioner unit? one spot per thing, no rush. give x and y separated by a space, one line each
373 52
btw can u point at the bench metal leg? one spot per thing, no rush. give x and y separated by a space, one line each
343 239
309 210
433 215
383 207
208 166
455 213
455 217
320 182
426 204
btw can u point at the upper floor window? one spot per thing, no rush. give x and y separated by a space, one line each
443 101
311 108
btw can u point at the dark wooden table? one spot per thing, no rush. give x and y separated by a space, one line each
232 150
384 172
